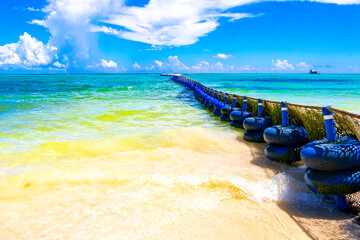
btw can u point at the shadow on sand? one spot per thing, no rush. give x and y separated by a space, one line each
310 219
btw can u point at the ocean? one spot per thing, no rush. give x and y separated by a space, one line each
135 156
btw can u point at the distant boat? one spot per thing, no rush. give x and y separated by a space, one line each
313 71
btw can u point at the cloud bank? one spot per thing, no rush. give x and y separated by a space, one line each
283 65
159 23
27 53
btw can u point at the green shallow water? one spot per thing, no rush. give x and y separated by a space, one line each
37 108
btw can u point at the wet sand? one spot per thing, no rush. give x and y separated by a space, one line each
192 188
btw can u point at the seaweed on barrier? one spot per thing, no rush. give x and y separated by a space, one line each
252 106
222 97
230 98
217 95
344 126
274 111
338 188
311 120
239 102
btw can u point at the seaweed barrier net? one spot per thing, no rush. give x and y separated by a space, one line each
310 117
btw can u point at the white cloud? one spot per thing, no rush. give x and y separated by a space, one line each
219 66
151 68
233 16
31 9
69 23
283 65
303 65
159 63
159 23
28 52
223 56
136 66
38 22
155 48
204 66
104 29
59 65
175 63
103 64
172 22
108 64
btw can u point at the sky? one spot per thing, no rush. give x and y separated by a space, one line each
182 36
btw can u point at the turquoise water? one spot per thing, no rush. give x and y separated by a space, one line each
341 91
136 156
37 108
77 104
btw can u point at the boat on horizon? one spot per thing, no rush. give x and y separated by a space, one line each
313 71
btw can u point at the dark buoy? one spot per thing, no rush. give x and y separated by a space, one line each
334 163
219 105
255 126
323 155
227 109
237 117
284 141
214 101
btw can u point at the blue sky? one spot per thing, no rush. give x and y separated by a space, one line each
117 36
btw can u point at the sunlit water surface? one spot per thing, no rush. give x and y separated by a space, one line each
136 157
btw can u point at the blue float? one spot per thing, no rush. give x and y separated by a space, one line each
237 117
284 115
227 109
333 153
219 105
332 156
257 123
334 183
333 163
290 135
208 98
214 101
204 95
212 97
255 126
284 141
283 154
253 136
